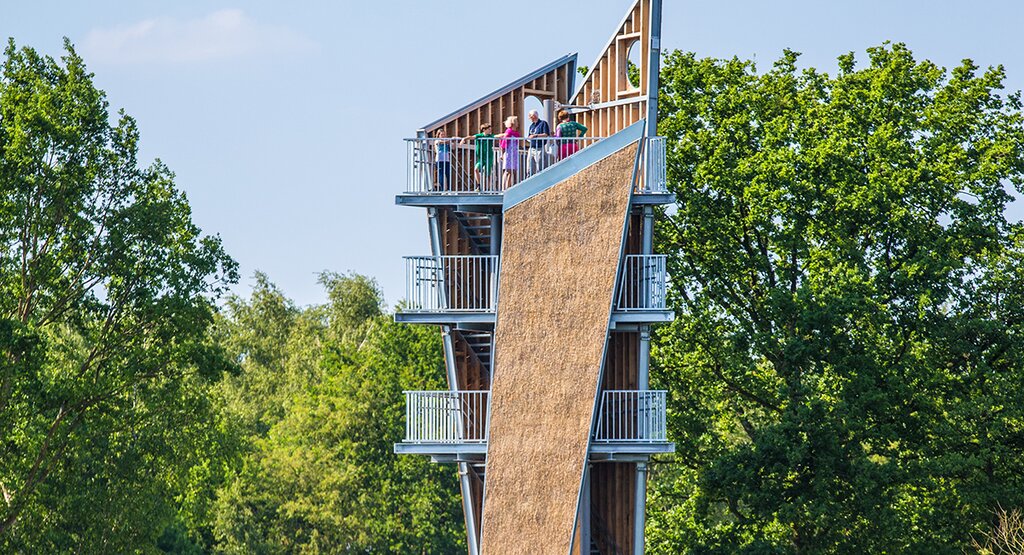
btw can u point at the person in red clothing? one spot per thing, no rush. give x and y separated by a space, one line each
568 130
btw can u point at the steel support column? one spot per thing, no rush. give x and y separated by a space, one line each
549 112
643 366
639 508
640 495
435 232
647 234
495 234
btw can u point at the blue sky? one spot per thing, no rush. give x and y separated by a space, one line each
284 121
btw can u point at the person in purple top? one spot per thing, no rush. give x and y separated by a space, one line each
509 152
538 157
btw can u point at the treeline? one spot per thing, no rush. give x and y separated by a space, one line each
844 370
141 409
309 422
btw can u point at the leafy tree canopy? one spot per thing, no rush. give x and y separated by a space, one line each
106 299
846 365
319 406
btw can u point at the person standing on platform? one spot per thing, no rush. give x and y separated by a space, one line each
483 152
538 156
509 153
443 159
570 130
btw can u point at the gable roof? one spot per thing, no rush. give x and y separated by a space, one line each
569 59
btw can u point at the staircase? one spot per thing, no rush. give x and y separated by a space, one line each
482 344
477 228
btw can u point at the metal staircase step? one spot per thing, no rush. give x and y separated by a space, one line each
481 342
477 228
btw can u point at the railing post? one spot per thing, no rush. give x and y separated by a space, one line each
643 365
420 161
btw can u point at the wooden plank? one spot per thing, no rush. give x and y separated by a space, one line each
538 92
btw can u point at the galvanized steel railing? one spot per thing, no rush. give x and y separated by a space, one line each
468 283
655 179
643 283
446 416
625 416
457 283
631 416
482 165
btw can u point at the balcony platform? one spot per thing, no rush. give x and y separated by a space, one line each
487 203
477 452
620 320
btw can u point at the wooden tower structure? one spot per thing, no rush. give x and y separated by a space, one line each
544 284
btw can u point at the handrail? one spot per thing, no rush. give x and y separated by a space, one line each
469 283
452 283
444 166
446 416
625 416
655 179
643 283
631 416
482 165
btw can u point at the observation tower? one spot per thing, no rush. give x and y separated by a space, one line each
544 283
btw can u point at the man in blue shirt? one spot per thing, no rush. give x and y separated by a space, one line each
538 157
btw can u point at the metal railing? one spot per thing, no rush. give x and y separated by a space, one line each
655 179
625 416
450 283
643 283
482 165
446 416
631 416
491 165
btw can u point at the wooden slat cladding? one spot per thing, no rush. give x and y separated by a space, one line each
612 484
611 506
622 362
634 240
553 85
476 488
607 81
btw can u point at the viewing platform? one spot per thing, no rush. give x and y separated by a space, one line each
462 289
451 426
474 173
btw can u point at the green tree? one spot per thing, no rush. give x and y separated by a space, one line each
846 363
106 300
321 406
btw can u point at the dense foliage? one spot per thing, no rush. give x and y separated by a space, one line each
133 416
845 370
106 299
318 406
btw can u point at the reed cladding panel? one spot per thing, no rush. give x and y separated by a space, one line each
559 261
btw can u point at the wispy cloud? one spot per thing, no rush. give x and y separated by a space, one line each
222 35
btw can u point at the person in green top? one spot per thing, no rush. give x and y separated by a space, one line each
483 143
569 129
